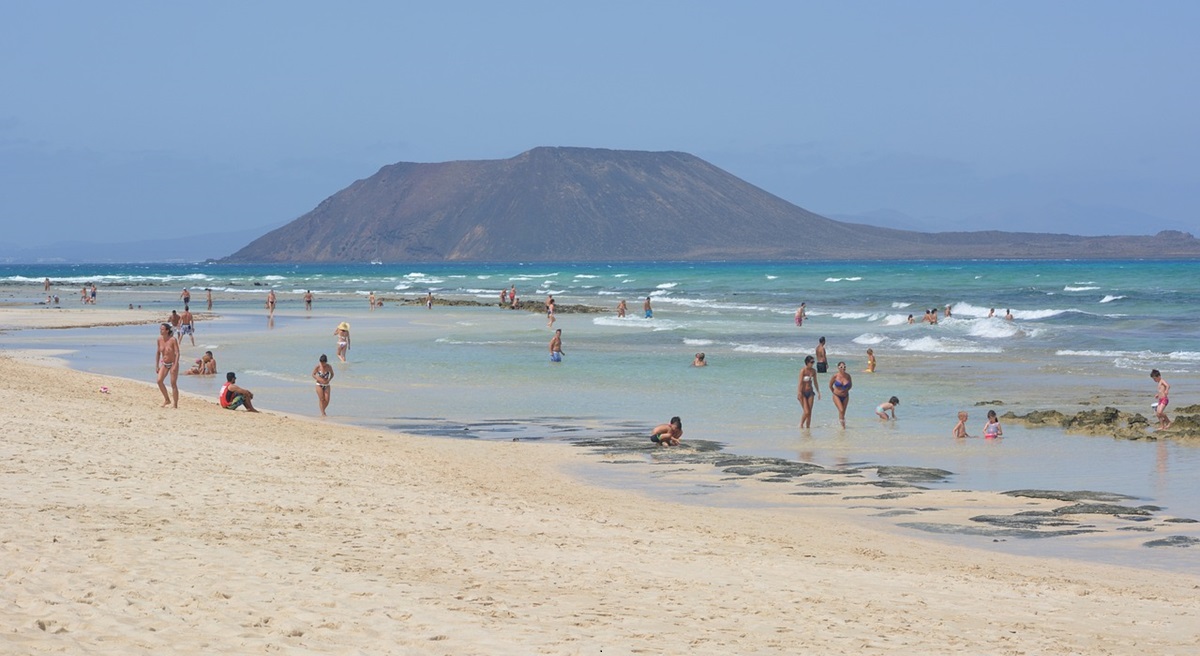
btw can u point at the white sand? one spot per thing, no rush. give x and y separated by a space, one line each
129 528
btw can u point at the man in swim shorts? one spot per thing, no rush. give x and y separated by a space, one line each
187 325
822 360
556 351
233 396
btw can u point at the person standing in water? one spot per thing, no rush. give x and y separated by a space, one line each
343 340
1161 399
870 361
839 386
323 375
647 310
556 351
187 325
822 359
801 315
808 387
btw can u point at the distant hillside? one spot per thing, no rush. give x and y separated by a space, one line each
581 204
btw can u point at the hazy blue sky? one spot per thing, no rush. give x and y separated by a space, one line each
125 120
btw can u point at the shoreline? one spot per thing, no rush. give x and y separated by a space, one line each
714 476
202 530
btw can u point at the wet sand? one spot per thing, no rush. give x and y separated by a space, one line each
130 528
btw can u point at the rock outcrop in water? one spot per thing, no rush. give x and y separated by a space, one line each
1114 422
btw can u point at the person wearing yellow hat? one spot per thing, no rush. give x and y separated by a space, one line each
343 340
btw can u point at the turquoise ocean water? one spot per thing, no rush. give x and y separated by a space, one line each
1084 335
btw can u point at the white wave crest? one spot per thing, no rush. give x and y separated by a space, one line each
944 345
774 350
869 339
638 322
1085 288
1092 354
1110 298
992 329
698 342
964 309
1034 315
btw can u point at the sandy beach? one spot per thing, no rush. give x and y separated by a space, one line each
135 529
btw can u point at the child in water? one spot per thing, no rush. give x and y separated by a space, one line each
992 428
1161 399
883 408
870 361
960 429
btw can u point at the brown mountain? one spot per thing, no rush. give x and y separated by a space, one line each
580 204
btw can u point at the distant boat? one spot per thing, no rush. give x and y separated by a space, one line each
376 262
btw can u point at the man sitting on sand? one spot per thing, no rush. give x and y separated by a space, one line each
233 396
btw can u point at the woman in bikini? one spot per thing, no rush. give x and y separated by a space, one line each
839 386
805 391
323 375
166 363
343 340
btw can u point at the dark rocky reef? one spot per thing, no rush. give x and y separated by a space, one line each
1113 422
